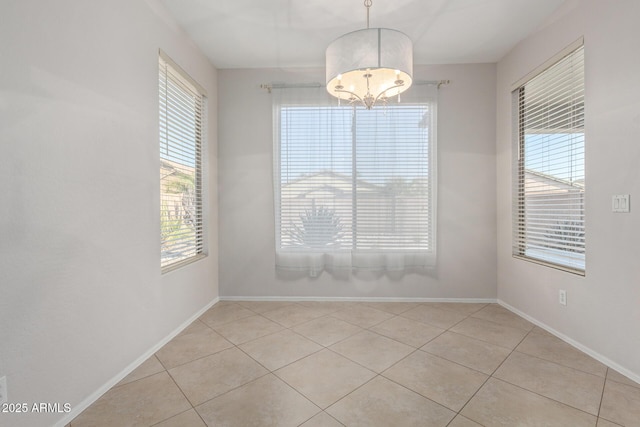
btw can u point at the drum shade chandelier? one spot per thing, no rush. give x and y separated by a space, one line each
369 65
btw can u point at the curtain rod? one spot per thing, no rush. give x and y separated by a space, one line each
269 86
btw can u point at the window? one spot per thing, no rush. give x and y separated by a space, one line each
354 188
549 172
182 115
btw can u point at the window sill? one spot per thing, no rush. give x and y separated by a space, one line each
172 267
549 263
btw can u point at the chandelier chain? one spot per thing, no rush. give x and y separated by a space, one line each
367 4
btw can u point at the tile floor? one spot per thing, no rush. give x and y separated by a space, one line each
329 364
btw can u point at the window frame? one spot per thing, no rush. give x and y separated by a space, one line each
549 256
188 141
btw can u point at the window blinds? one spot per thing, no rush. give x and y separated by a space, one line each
549 218
182 107
355 182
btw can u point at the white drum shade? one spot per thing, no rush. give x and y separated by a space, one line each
385 55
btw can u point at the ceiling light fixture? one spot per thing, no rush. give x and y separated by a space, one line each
369 65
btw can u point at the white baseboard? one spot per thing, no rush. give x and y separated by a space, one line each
583 348
359 299
77 409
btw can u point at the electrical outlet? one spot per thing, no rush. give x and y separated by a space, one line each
3 390
562 297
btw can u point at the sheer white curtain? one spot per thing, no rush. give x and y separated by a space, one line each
354 188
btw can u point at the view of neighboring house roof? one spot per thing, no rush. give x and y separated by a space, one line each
552 183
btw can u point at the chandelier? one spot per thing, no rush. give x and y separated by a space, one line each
369 65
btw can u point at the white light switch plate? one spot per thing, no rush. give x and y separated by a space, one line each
620 203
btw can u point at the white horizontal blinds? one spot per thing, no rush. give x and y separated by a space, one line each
549 223
352 180
393 189
181 133
315 209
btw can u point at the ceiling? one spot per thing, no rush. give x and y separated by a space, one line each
295 33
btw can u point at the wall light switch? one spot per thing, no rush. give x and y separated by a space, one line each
620 203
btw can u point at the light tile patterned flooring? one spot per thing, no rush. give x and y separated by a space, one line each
330 364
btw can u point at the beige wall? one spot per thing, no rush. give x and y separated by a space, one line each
81 294
466 192
603 311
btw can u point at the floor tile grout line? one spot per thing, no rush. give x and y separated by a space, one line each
344 339
480 339
197 358
417 392
561 364
351 360
489 377
466 316
474 339
354 361
622 383
178 414
200 416
454 362
344 320
608 420
545 397
283 366
233 389
252 358
363 327
392 338
443 358
415 348
531 391
300 393
284 328
200 358
353 391
229 391
634 385
322 410
273 372
527 331
500 323
334 418
612 422
181 391
308 398
339 341
457 311
118 385
582 371
604 386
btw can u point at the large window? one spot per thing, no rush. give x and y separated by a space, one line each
182 115
354 188
549 173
